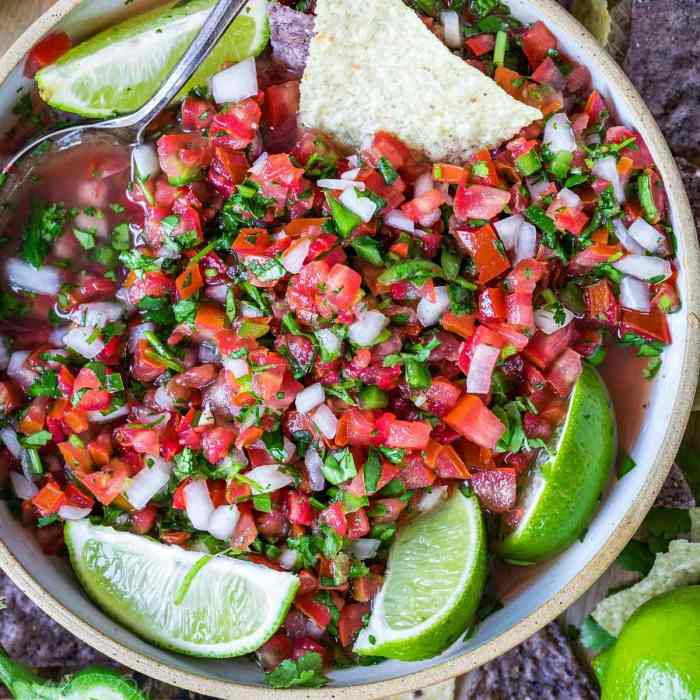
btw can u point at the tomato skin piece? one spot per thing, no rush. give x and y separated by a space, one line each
334 517
108 483
46 52
143 521
492 304
358 524
479 202
484 246
544 349
472 419
342 286
601 303
314 610
565 371
299 509
537 42
49 498
76 497
239 122
351 622
653 325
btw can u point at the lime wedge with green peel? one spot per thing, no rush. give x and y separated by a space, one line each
435 578
560 493
223 607
117 70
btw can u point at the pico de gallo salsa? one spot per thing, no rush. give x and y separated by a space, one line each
329 342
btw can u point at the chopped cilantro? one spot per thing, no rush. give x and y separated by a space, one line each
45 225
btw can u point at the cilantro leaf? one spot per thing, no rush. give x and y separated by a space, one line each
45 225
46 384
305 672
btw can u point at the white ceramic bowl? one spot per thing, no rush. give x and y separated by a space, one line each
545 591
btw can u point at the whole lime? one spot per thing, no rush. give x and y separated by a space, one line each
657 655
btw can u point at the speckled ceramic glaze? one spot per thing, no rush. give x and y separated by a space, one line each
544 591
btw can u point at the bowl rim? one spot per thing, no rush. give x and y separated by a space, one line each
613 75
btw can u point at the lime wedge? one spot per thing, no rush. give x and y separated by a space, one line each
117 70
560 493
436 575
229 608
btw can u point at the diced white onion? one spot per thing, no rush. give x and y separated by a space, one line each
58 334
293 258
313 462
354 161
350 174
99 417
452 30
198 503
644 267
342 184
148 482
309 398
569 198
22 275
364 548
427 220
288 558
545 320
137 333
145 161
97 314
237 366
508 230
11 441
235 83
217 292
364 207
208 352
17 369
628 243
430 312
423 184
367 328
85 341
259 164
399 220
73 513
325 420
558 134
606 168
223 522
164 399
23 487
290 449
329 341
526 246
635 294
647 236
481 367
536 186
431 498
268 478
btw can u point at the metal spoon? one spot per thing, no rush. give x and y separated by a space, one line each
135 124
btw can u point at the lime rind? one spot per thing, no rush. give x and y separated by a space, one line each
117 70
231 607
560 494
397 628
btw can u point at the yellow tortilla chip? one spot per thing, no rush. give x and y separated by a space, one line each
441 691
594 15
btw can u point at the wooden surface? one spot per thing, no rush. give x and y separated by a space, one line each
17 15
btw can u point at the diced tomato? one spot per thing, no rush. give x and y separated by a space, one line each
386 145
548 72
595 107
143 521
544 349
496 489
299 509
10 397
537 41
281 105
462 325
486 250
638 152
189 281
423 205
565 371
492 304
246 531
653 325
88 391
358 524
275 651
481 44
237 125
183 156
355 427
342 287
196 114
314 610
351 622
601 303
217 442
49 498
334 517
666 298
411 435
442 396
209 320
472 419
449 464
108 483
34 417
509 80
100 448
46 52
479 202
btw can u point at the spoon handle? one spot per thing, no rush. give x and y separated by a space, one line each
218 21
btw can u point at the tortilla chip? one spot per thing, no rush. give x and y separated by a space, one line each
680 566
374 66
594 15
